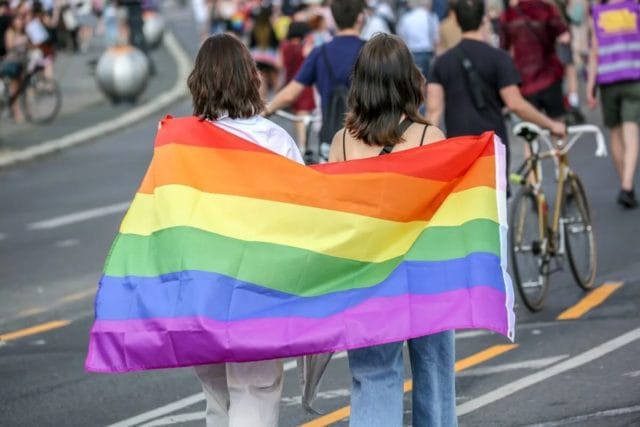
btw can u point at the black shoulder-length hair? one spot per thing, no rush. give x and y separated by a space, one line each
224 80
385 85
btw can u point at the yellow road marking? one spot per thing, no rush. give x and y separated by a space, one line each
78 295
31 312
33 330
590 301
467 362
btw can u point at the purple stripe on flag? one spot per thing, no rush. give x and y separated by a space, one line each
130 345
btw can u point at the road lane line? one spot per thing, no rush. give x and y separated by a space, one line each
467 362
3 236
79 216
77 295
33 330
574 362
590 301
526 364
175 419
587 417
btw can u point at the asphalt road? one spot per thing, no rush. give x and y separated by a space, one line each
59 215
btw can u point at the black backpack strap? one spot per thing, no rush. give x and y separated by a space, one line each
480 89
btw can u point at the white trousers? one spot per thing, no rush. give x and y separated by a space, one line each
242 394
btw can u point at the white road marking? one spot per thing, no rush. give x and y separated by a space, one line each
79 216
633 374
574 362
68 243
527 364
3 236
175 419
580 419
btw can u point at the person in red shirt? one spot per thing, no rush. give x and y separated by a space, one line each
292 57
530 30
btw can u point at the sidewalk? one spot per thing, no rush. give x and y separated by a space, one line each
83 105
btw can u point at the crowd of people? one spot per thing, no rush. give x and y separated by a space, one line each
542 54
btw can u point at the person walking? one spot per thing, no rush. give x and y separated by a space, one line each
472 82
383 117
224 86
615 69
328 67
530 30
420 29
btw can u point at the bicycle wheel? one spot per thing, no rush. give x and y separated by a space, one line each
41 99
528 250
578 231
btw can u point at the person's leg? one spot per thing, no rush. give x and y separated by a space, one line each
617 149
214 385
630 116
434 390
630 156
377 386
254 393
611 103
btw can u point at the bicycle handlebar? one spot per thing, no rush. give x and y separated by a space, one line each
530 132
306 119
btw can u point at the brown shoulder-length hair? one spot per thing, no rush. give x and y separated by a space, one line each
385 85
224 80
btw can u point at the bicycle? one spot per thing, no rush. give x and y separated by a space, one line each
40 96
309 121
534 241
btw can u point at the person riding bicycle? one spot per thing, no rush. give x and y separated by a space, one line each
328 67
472 96
16 44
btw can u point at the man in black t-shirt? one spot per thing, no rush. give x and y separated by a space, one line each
473 97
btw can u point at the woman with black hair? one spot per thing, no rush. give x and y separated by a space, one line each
385 95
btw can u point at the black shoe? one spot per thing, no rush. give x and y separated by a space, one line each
627 199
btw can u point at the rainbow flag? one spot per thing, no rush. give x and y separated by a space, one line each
230 252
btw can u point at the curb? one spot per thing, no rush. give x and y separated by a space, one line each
178 91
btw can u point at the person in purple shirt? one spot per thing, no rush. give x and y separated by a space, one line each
339 54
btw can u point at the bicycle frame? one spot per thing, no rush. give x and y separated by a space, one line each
531 172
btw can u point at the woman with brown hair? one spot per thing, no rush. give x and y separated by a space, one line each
224 86
385 95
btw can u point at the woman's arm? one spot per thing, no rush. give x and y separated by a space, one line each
592 69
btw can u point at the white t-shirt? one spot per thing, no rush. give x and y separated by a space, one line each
264 133
419 29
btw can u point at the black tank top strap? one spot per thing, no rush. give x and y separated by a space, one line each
424 132
344 144
402 128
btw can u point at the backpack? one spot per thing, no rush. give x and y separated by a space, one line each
333 118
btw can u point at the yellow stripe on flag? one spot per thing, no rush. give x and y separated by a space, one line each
319 230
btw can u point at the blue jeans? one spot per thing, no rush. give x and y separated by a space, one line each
378 376
423 61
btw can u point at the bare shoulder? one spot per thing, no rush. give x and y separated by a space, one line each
335 152
434 134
